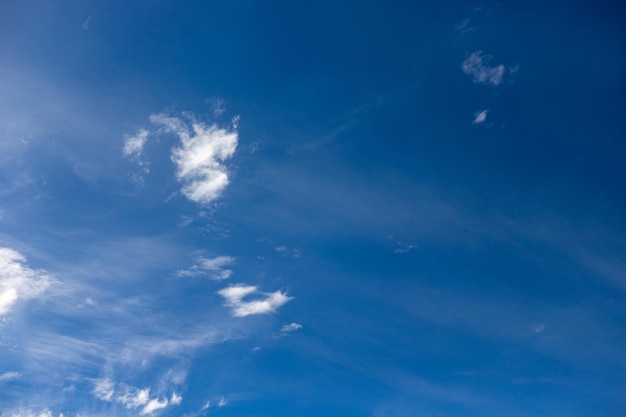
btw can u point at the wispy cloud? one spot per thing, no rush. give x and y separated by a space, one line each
133 145
44 413
86 23
538 328
464 26
217 105
292 327
133 398
200 157
176 399
9 376
268 303
477 66
18 281
213 268
480 117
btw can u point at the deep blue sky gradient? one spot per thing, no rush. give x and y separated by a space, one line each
438 267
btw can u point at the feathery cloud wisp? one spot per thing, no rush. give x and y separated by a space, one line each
133 398
9 376
476 66
18 281
235 294
212 268
133 145
480 117
200 157
292 327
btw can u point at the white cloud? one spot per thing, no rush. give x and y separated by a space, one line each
222 402
292 327
131 397
176 399
18 281
210 267
133 145
154 405
9 376
104 390
476 66
206 405
480 117
235 294
200 157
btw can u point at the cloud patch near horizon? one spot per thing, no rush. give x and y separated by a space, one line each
268 303
18 280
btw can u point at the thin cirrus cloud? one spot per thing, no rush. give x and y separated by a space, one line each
18 280
477 66
9 376
201 156
133 145
133 398
292 327
480 117
212 268
268 303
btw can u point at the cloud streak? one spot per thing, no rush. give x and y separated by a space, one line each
480 117
269 302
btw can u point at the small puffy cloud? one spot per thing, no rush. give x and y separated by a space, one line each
213 268
269 302
477 66
9 376
206 405
200 157
480 117
18 281
222 402
133 145
292 327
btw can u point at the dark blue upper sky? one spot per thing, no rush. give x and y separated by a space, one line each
278 208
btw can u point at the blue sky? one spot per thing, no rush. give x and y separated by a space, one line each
348 208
